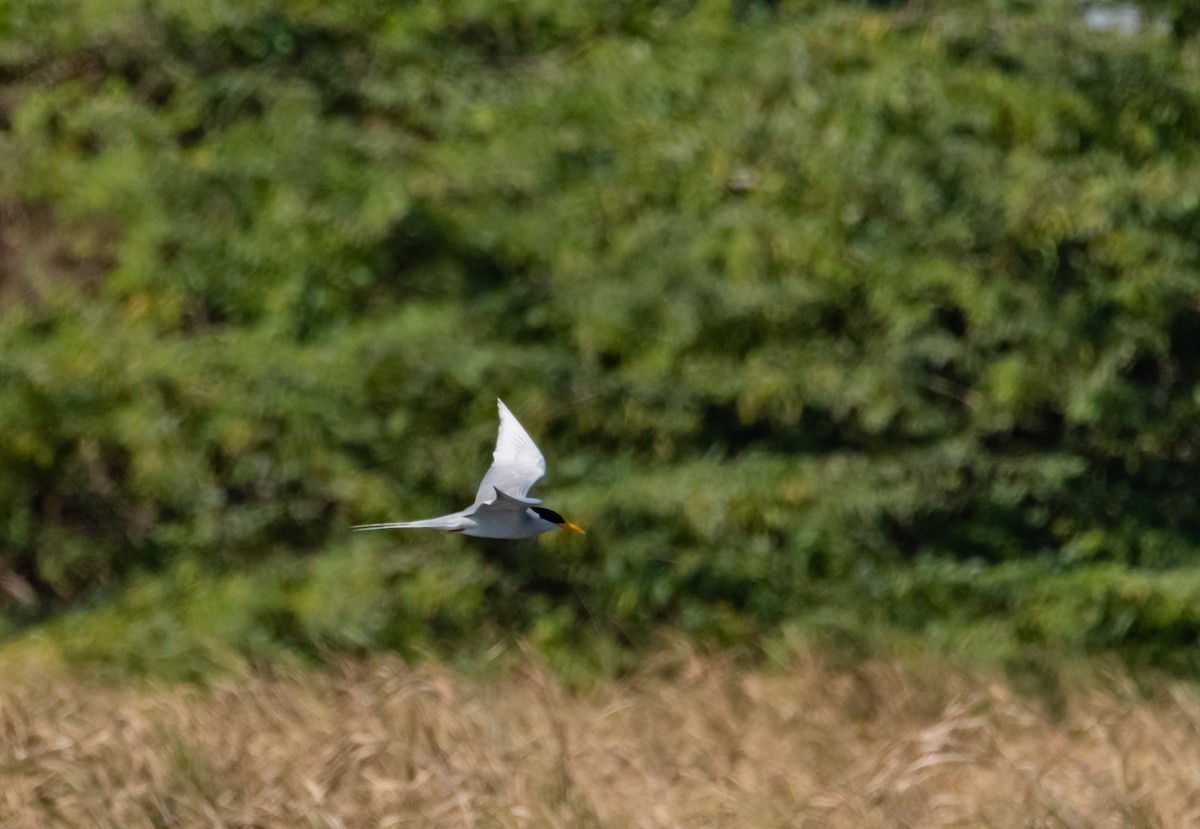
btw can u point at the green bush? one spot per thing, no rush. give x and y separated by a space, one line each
889 314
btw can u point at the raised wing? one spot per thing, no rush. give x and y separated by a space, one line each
517 464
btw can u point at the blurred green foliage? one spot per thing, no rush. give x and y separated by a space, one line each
871 316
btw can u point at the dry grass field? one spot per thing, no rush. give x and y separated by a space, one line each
689 741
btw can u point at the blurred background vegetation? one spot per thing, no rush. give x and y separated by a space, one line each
876 321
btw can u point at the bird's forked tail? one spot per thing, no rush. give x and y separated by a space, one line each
451 522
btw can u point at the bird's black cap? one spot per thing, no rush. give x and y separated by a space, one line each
550 515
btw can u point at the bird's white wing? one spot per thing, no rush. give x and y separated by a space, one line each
517 464
502 507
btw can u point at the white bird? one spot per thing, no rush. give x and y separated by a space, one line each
502 508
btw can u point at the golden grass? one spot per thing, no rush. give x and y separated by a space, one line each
689 741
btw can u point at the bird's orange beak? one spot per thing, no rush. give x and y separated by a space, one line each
568 526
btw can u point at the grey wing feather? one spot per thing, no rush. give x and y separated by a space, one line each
517 464
501 503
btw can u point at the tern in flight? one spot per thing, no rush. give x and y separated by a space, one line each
502 508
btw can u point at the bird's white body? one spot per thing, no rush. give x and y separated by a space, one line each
524 523
502 508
